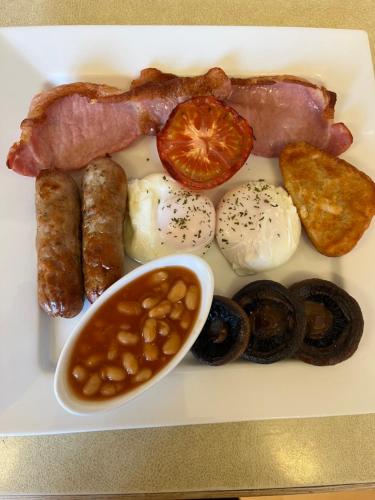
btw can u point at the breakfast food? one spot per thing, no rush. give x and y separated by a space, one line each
204 136
103 208
286 109
334 322
225 335
151 75
64 127
165 218
314 321
281 109
60 288
204 143
334 199
70 125
135 334
257 227
277 321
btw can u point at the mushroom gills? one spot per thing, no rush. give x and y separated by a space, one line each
225 334
277 321
325 321
334 322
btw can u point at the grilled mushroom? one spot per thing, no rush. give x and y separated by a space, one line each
225 334
277 321
334 322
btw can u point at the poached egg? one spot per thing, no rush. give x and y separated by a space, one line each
165 218
257 227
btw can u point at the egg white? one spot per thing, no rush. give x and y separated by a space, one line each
164 218
257 227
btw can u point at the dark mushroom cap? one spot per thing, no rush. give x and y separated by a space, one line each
334 322
225 334
277 321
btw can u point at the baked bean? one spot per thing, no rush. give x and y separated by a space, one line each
163 328
80 373
150 302
114 373
150 352
172 345
192 297
130 363
92 385
177 292
185 320
112 351
177 311
129 308
127 338
94 360
158 277
108 390
161 310
149 330
143 375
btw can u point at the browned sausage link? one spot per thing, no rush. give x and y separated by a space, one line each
60 287
104 192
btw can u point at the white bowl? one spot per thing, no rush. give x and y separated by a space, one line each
64 394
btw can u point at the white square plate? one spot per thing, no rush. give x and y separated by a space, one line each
32 59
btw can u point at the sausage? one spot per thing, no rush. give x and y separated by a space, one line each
58 213
104 190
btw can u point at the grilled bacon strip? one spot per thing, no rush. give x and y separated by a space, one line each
70 125
285 109
281 109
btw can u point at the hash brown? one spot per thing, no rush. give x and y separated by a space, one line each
334 199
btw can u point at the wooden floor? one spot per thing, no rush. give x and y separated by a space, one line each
350 495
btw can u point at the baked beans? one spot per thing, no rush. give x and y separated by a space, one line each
135 333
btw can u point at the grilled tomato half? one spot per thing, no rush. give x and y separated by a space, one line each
204 143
